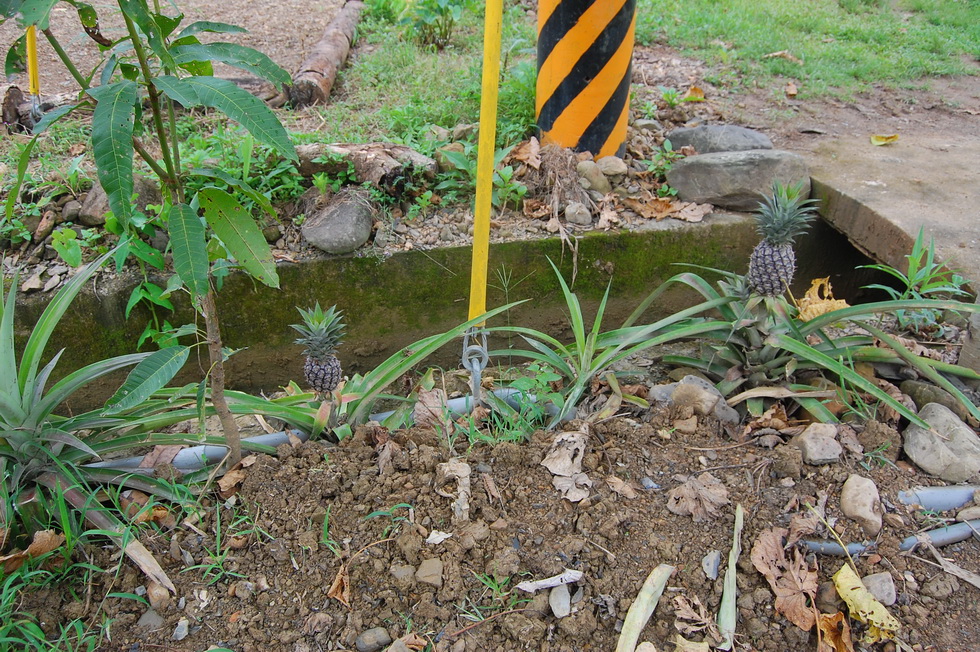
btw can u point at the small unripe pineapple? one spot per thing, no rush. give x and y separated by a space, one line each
780 218
321 332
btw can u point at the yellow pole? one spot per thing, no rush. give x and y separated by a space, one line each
33 82
484 161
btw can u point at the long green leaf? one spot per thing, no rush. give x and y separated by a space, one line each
210 26
241 186
246 109
112 144
51 117
239 233
149 376
189 248
235 55
8 351
866 310
177 90
35 12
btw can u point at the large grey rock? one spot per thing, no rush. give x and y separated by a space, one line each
736 180
96 205
577 213
373 640
592 177
707 139
343 225
949 450
923 393
859 500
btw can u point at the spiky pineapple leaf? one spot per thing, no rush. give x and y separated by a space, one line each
239 233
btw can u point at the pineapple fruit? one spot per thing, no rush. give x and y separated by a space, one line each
780 218
321 333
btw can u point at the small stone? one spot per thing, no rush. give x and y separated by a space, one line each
881 586
373 640
710 564
940 586
52 283
181 630
578 213
590 172
648 124
613 167
430 572
686 426
817 445
859 501
893 520
403 575
33 283
969 513
443 163
150 620
560 601
158 596
827 598
70 210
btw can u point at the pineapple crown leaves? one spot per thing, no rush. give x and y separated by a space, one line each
321 330
785 214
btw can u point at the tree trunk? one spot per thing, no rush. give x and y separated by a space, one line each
233 438
313 81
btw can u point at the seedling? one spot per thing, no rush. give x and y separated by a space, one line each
390 514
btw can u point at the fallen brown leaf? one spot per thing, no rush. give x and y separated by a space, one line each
693 94
783 54
835 633
528 152
691 617
536 209
792 580
698 498
621 487
44 541
791 90
340 588
228 484
160 455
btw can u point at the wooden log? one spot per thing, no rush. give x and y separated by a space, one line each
315 78
372 162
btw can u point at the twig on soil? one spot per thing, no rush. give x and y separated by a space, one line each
612 556
727 466
719 448
370 545
488 618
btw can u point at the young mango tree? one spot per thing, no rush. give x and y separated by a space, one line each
144 78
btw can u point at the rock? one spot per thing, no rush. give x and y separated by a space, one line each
443 164
343 225
818 445
940 586
437 134
150 620
708 139
827 600
736 180
949 450
787 462
49 220
33 283
881 586
158 596
464 131
971 513
923 393
859 501
403 576
698 394
686 426
71 210
593 177
577 213
613 168
181 630
649 124
373 640
430 572
710 563
96 205
970 351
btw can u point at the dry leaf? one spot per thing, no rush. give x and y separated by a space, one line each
791 90
566 452
536 209
879 140
160 455
693 94
4 535
792 580
691 617
864 607
431 410
650 207
575 488
819 300
887 413
528 152
385 452
835 633
44 542
807 522
412 641
691 212
621 487
228 484
915 347
317 622
783 54
340 589
699 498
608 218
459 471
684 645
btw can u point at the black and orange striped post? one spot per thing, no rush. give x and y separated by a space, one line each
585 54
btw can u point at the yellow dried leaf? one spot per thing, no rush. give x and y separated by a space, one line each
684 645
835 633
791 90
819 300
878 139
784 54
864 608
693 94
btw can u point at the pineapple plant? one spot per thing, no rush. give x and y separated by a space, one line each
780 218
321 333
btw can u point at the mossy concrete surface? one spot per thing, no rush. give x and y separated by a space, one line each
391 302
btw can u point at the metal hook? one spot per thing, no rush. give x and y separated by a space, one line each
475 359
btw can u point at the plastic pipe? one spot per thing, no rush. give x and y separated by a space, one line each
197 457
940 499
939 537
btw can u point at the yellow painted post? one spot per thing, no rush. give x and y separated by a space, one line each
33 81
484 161
585 54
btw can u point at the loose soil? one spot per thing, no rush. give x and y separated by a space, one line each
275 591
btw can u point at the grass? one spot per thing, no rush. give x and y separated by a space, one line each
846 47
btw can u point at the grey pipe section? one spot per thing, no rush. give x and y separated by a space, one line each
197 457
939 537
940 499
